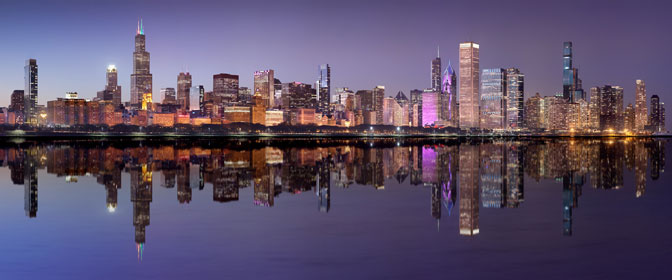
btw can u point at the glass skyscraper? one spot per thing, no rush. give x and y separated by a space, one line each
324 88
515 92
436 72
493 99
183 86
141 78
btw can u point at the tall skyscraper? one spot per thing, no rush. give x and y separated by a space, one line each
196 95
493 99
264 87
469 85
611 108
430 107
112 85
449 108
515 95
378 96
641 112
30 93
225 88
533 112
183 86
436 72
594 108
656 115
324 88
141 78
571 84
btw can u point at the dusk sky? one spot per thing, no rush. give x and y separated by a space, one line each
367 43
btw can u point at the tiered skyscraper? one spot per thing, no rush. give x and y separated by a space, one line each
30 93
141 79
112 85
571 84
469 85
450 111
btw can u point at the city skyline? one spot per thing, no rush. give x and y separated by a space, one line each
542 73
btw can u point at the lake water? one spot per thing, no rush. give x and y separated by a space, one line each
557 208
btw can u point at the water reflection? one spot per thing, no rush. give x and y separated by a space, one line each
471 174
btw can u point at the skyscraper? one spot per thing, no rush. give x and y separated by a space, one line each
533 112
436 72
324 88
183 86
141 78
449 108
30 93
196 98
493 99
168 96
225 88
641 112
469 85
611 108
264 87
378 95
656 114
430 108
594 108
515 95
112 85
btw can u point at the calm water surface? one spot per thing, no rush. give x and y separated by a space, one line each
354 209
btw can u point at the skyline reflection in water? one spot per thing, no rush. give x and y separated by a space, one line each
462 178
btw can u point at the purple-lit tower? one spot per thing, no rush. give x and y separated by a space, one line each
450 113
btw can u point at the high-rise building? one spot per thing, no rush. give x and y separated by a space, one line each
515 95
324 89
415 107
30 93
112 85
611 108
297 95
629 118
641 112
436 72
493 99
469 85
657 117
469 189
571 84
141 78
594 108
449 108
264 87
183 86
225 88
168 96
430 108
533 112
16 103
196 95
378 95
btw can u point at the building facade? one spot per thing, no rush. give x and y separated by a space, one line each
469 85
141 78
493 99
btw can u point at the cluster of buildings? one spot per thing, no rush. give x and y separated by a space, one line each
488 100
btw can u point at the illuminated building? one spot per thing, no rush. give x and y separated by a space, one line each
225 88
450 112
556 109
515 95
571 84
533 112
469 189
415 107
141 197
141 78
199 121
324 88
297 95
93 113
196 98
493 99
233 114
611 108
146 101
168 96
388 110
641 112
492 172
435 73
67 111
164 119
342 95
274 117
594 108
30 93
258 111
183 86
16 101
629 118
514 179
302 116
112 85
469 85
657 116
378 95
430 108
264 87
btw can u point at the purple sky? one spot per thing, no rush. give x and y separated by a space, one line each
367 43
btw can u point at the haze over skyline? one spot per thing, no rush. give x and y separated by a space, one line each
370 43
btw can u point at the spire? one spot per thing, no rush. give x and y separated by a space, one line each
438 54
142 29
138 30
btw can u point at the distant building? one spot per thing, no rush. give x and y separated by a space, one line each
436 72
469 85
629 118
196 95
641 112
297 95
571 84
493 99
183 86
324 88
533 111
450 112
595 108
30 93
415 107
233 114
264 87
225 88
657 116
515 96
112 86
611 108
430 108
141 78
168 96
378 95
